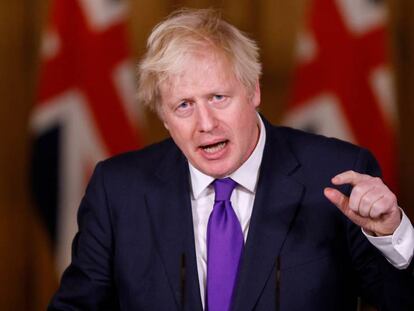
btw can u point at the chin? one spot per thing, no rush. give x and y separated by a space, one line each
216 169
218 173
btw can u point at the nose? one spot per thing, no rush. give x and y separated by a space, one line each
206 118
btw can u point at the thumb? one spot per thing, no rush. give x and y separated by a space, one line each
341 201
337 198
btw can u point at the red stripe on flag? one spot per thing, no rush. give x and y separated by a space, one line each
86 61
343 66
78 94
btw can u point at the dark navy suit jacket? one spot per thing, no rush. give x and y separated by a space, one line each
135 246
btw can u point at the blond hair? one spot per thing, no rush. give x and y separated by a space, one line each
188 31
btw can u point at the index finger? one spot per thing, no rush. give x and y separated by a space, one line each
349 177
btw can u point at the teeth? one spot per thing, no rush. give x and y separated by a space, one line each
214 148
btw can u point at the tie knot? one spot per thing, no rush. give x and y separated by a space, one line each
223 188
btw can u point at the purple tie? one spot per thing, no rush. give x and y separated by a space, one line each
224 248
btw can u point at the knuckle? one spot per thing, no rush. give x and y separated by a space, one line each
357 191
390 201
365 200
375 211
378 206
352 204
363 211
377 180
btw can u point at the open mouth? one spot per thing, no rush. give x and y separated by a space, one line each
213 148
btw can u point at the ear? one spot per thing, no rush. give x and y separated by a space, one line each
256 95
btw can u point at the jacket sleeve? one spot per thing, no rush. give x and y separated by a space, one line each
381 284
87 284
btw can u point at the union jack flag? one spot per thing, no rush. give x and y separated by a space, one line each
343 83
85 110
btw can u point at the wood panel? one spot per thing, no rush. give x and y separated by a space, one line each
27 277
403 44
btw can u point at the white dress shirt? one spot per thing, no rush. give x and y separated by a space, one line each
398 248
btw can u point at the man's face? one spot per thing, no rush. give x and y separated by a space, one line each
210 115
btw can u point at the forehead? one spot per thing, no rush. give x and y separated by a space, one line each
198 71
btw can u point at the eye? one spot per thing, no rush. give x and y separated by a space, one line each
183 105
219 101
184 108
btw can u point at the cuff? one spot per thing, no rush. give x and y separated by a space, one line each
398 248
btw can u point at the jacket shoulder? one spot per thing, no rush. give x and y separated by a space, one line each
300 139
323 153
140 162
311 145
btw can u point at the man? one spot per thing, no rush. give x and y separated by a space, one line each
232 213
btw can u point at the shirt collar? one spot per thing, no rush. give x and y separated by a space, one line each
246 175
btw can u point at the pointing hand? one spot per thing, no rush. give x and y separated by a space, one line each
371 204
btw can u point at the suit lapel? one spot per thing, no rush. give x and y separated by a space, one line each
169 207
277 198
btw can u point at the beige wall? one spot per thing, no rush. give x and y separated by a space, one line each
23 250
